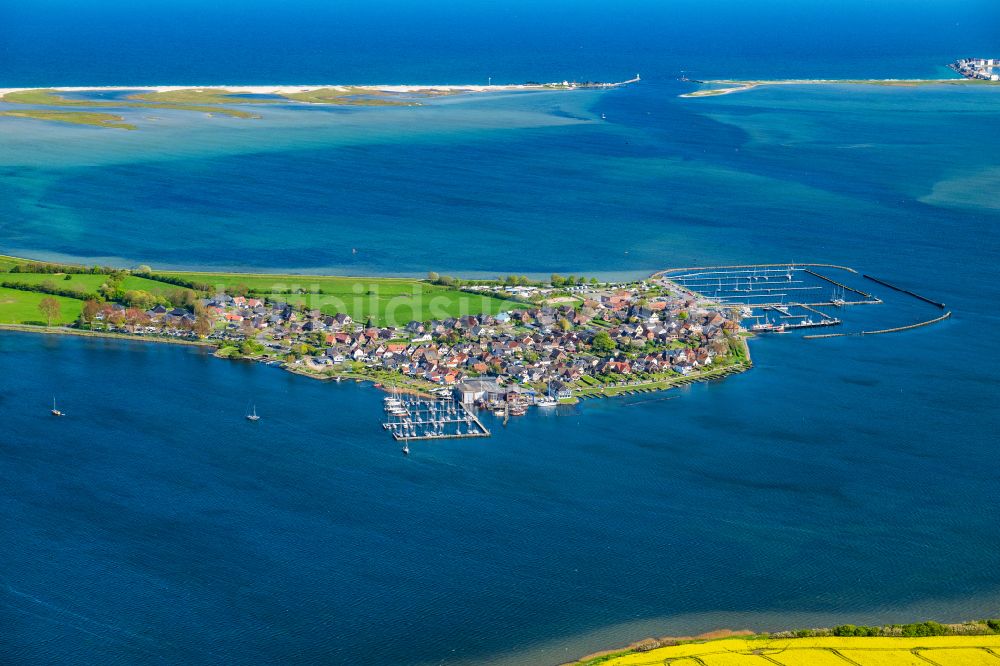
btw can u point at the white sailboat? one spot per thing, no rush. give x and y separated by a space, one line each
548 400
55 411
252 415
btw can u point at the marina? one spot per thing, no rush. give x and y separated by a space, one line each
776 298
411 418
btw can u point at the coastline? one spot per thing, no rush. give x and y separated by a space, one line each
742 86
893 643
284 89
295 347
65 330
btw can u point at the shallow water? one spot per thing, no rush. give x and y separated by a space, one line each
848 479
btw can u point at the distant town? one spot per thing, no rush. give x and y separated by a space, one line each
984 69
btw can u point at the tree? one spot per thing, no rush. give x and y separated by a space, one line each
139 298
602 343
142 269
49 307
565 324
90 310
203 324
433 277
557 280
181 298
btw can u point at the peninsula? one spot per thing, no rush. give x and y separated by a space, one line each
510 340
504 344
974 71
79 105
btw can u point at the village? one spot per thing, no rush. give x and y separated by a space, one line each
984 69
571 343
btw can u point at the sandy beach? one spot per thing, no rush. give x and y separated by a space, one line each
287 89
740 86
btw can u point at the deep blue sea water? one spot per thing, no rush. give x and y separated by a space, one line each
851 479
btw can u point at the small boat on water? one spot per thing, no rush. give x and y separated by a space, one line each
406 449
55 411
547 401
252 415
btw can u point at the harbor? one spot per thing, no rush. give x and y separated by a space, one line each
773 298
414 418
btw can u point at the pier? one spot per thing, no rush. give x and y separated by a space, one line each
415 419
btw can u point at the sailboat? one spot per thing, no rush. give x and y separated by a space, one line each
252 416
406 449
55 412
548 400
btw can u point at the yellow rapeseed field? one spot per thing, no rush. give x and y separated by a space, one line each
824 651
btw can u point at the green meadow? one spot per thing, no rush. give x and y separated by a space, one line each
87 283
21 307
386 301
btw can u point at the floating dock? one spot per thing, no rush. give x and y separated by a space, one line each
415 419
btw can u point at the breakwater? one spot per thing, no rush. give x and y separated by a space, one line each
905 291
838 284
897 329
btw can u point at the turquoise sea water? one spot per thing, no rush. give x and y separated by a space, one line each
850 479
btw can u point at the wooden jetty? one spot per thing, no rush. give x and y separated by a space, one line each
414 419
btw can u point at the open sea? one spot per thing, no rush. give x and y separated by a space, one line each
842 480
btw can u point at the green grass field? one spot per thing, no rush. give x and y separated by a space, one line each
21 307
389 301
87 283
7 263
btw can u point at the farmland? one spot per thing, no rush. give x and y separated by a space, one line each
821 651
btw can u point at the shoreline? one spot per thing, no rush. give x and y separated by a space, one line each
639 645
888 638
282 89
750 84
65 330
